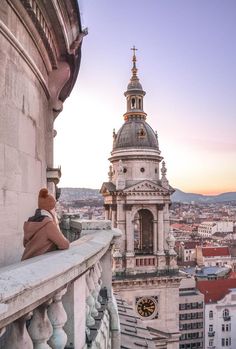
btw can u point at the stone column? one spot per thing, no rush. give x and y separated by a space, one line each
113 215
160 230
130 260
166 223
129 231
106 208
155 236
121 224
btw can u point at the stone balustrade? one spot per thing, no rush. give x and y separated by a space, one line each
62 299
145 261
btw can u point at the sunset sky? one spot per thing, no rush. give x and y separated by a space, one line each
186 62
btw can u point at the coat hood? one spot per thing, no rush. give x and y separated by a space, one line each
31 228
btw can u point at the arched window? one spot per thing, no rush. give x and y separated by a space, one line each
143 232
139 103
210 314
225 313
133 103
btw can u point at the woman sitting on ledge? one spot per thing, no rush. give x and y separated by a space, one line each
41 232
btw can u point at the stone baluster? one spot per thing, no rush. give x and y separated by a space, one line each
18 336
40 328
89 306
91 288
97 287
98 270
58 318
2 331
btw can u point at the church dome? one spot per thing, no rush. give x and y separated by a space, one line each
134 85
135 133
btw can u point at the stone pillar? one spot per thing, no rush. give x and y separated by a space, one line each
130 260
160 230
161 260
121 224
166 223
106 208
155 236
75 306
129 230
113 215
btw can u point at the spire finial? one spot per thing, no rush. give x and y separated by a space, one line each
134 49
134 69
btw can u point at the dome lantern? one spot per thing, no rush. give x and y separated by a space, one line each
134 94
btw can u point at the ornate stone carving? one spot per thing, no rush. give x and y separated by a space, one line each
120 168
110 173
40 23
170 240
164 180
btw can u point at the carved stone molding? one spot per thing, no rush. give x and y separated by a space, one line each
144 283
40 23
53 175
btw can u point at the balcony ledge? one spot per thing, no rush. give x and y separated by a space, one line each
27 284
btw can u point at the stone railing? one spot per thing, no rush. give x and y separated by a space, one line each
145 261
62 299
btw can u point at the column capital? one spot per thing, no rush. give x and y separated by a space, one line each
160 206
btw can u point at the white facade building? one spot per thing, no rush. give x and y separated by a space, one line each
207 229
220 313
213 256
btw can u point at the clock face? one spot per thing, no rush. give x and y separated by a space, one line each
146 307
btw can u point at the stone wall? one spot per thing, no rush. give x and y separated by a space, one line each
30 56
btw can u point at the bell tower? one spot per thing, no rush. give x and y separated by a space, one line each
137 200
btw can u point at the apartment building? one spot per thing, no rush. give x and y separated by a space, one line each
191 315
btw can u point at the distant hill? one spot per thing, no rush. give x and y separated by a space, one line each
71 194
180 196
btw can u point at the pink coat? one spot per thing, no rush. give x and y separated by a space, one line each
42 237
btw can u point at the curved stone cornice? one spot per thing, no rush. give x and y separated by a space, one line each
136 153
143 283
55 29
